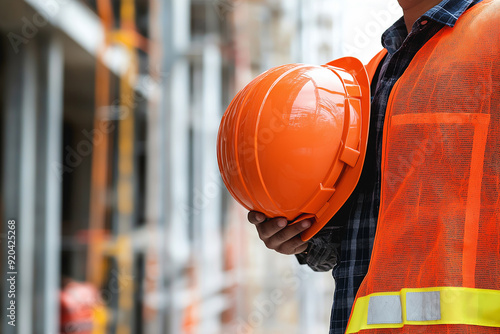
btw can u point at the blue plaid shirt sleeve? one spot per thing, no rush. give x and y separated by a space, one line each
323 251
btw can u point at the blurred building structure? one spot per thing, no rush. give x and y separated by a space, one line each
110 111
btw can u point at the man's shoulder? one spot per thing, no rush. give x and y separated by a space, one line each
484 17
487 8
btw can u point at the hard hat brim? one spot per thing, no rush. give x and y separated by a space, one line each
347 183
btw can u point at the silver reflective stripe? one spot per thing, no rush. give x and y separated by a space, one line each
423 306
384 310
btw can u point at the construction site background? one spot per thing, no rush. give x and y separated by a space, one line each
109 116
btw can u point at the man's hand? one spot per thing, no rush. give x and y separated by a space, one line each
277 235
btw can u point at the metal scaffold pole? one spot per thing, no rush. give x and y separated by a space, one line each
155 292
49 186
32 184
19 179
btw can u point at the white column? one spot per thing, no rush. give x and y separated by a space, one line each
49 185
19 179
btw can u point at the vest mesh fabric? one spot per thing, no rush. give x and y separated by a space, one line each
439 221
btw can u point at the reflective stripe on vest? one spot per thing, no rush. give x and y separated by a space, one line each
426 306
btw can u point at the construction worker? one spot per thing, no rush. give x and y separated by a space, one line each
430 185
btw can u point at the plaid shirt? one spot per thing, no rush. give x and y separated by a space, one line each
345 243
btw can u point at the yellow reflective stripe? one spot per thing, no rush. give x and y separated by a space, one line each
466 306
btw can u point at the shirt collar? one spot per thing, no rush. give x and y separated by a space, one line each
393 37
446 12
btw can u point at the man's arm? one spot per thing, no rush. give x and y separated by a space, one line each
321 252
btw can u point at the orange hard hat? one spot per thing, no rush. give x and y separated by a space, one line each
292 142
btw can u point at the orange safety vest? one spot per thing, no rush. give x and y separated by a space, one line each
435 265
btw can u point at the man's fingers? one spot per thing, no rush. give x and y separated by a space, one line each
293 246
279 236
284 235
271 227
255 217
301 248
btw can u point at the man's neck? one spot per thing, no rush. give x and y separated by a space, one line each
413 9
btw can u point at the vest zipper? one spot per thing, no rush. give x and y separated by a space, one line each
387 117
